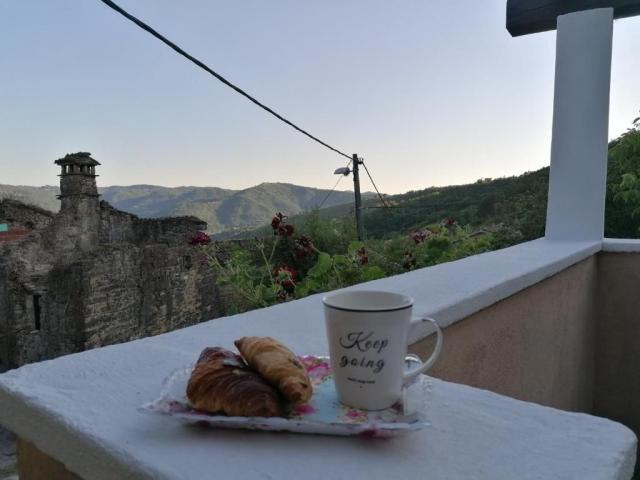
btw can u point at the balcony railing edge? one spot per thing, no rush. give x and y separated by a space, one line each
621 245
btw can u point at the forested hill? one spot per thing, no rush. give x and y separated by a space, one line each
514 207
517 202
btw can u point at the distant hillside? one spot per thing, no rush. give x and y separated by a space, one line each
514 206
157 201
518 203
43 197
222 209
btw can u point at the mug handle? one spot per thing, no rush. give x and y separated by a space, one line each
409 376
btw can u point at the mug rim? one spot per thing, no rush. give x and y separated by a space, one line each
405 300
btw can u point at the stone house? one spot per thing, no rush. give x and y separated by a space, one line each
92 275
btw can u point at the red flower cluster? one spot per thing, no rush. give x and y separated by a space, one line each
280 226
286 277
277 219
419 237
361 256
200 238
408 261
449 223
303 247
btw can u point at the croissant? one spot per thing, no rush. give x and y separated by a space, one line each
222 382
278 365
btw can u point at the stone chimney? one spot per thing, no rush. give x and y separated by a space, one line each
79 198
78 188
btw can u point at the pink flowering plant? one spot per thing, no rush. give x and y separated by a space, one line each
284 267
200 238
293 262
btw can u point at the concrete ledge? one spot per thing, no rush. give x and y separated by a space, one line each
622 245
452 291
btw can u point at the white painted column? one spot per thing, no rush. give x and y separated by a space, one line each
577 181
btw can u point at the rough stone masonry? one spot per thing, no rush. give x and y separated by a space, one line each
92 275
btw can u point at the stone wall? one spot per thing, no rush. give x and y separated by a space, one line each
178 289
62 323
5 325
117 226
132 292
173 230
97 278
8 470
24 266
112 294
76 187
21 215
46 318
92 275
71 235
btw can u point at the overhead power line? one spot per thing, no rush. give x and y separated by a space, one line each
200 64
330 192
374 184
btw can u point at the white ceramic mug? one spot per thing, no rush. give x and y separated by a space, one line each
368 336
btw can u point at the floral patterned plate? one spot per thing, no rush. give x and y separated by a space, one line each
322 415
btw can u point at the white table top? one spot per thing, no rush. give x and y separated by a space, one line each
81 409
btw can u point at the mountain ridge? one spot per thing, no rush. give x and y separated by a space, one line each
223 209
517 202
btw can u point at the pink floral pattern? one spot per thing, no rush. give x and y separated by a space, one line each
304 409
355 416
322 415
318 368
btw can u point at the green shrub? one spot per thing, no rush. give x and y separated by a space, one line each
321 254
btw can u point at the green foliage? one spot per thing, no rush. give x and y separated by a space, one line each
628 191
245 278
329 234
261 272
516 206
622 219
517 202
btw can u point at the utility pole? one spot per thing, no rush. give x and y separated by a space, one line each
356 190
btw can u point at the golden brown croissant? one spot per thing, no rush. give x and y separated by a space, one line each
222 382
278 365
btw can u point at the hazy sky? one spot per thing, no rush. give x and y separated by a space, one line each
430 92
